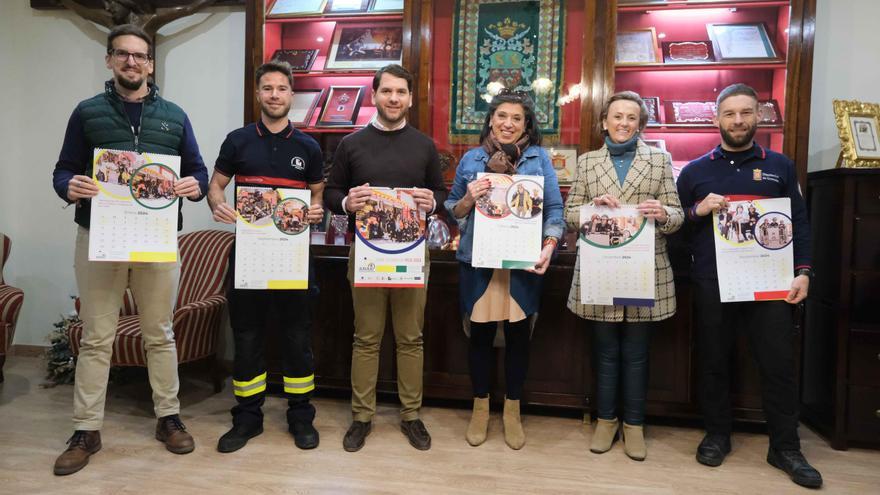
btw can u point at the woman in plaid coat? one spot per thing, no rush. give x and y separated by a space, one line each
625 171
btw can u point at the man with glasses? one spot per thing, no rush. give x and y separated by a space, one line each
128 115
388 152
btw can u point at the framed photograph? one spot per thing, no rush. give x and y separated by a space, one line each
660 144
769 113
299 60
346 6
302 106
296 8
858 124
366 46
653 104
741 42
696 113
637 47
386 6
341 107
564 160
687 52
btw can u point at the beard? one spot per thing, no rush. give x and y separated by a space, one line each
131 85
738 142
275 114
387 118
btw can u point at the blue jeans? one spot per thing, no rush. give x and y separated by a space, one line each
620 351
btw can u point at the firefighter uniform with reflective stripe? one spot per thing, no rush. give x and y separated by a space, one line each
256 157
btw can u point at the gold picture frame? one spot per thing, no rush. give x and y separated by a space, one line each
858 126
637 47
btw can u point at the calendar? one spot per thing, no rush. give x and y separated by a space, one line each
134 215
753 250
389 248
508 222
616 253
271 238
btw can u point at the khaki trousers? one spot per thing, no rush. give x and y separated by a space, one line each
101 285
408 319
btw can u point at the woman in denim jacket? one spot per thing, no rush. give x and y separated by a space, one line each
510 143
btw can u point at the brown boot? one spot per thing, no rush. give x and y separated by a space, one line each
634 442
173 434
514 435
478 428
603 435
80 446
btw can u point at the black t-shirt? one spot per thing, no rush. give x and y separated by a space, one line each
257 157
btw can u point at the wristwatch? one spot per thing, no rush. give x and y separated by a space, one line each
804 271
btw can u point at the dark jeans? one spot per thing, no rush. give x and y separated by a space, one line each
620 350
769 328
481 355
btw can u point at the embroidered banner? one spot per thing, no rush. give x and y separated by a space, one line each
514 43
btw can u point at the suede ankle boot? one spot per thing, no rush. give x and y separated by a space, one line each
478 428
514 435
603 435
634 442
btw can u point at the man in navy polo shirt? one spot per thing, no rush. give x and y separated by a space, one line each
270 153
739 168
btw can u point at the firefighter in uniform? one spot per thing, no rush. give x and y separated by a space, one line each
270 153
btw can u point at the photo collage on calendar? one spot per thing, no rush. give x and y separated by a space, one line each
262 206
124 173
508 222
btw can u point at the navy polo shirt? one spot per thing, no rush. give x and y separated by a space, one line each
754 174
257 157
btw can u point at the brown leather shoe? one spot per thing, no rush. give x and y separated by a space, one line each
170 430
80 446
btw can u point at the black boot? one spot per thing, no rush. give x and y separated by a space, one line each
238 436
713 449
795 466
305 436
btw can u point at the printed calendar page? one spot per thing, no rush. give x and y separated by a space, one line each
134 215
389 241
508 222
753 250
271 238
616 256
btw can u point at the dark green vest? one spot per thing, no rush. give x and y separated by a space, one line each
106 124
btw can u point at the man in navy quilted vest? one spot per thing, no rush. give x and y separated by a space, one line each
128 115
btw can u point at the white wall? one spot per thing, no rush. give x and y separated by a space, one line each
846 66
49 61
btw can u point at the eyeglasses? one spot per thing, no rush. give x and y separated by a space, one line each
122 56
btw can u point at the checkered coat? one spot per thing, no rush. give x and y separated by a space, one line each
649 177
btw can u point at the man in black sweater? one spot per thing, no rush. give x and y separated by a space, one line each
386 153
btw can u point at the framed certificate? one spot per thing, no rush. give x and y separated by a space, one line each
653 105
858 124
386 6
341 107
366 46
564 160
741 42
296 8
346 6
660 144
299 60
687 52
637 47
768 113
690 112
302 106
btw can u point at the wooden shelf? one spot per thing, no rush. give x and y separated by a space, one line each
366 17
336 73
331 130
644 7
713 66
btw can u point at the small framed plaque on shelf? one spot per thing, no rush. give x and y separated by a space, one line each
296 8
687 52
741 42
341 107
768 113
653 105
299 60
564 160
302 106
636 47
696 113
346 6
366 46
660 144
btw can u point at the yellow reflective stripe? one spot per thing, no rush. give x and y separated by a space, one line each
249 392
301 385
258 378
305 379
